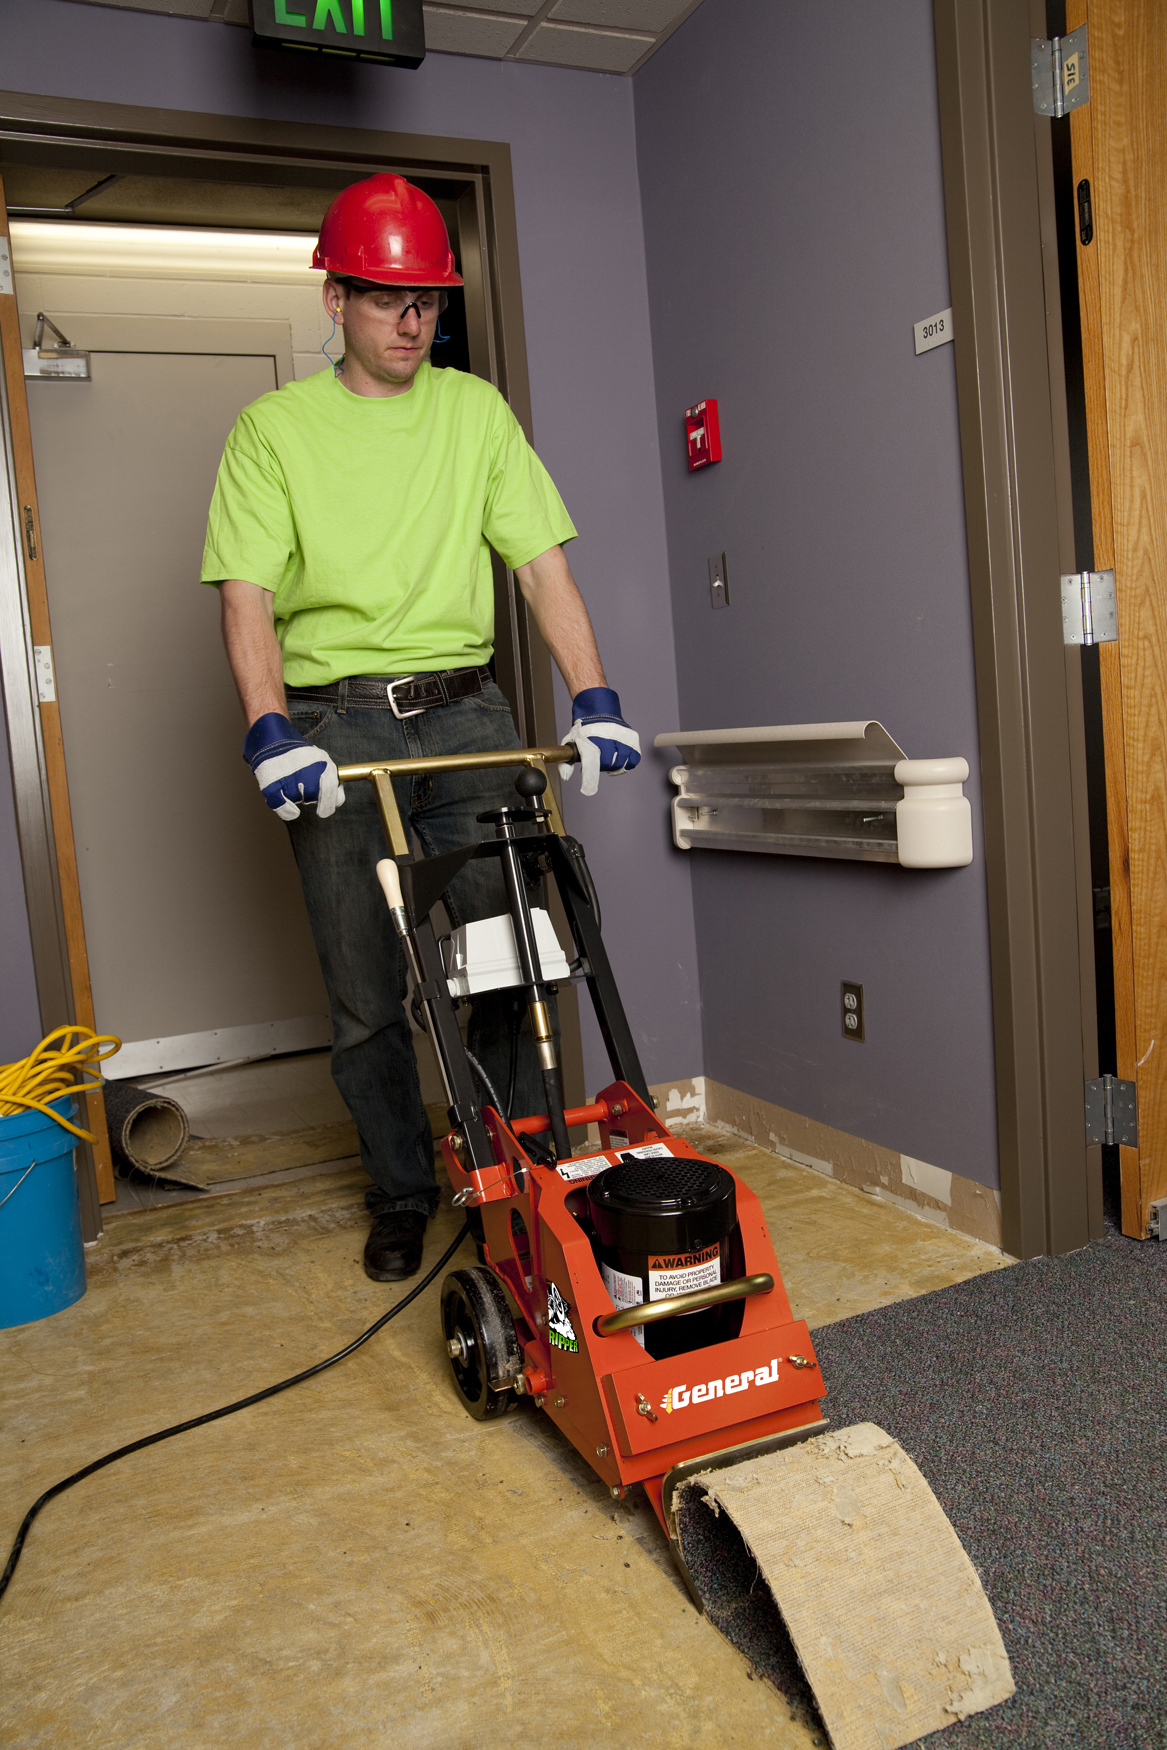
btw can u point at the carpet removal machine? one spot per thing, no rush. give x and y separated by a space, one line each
630 1288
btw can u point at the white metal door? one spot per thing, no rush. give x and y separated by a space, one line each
199 948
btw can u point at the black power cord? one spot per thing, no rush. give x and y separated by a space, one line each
515 1029
214 1415
491 1090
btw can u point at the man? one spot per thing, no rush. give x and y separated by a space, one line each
349 537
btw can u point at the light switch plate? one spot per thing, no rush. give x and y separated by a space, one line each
718 581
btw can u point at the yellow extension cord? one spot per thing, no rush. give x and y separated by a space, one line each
48 1072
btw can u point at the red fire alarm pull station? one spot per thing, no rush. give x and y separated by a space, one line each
703 433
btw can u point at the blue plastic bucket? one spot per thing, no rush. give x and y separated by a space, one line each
42 1258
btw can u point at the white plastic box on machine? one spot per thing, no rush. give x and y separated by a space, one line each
483 955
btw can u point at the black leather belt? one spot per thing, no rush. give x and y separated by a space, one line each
405 695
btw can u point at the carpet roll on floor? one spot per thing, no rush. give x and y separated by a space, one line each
148 1133
836 1557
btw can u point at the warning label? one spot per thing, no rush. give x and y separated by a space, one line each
585 1168
625 1291
682 1273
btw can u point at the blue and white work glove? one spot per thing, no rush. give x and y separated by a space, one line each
602 738
289 770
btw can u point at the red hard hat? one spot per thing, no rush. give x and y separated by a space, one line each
384 229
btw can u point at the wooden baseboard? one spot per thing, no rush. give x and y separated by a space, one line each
948 1199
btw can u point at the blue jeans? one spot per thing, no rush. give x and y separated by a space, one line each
373 1063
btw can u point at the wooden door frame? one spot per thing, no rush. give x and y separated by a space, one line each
1118 357
79 134
998 185
41 792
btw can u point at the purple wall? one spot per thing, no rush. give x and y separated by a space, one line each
20 1026
786 263
586 308
788 258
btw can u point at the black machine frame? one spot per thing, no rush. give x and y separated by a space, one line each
533 847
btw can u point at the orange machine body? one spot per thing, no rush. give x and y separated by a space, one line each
632 1417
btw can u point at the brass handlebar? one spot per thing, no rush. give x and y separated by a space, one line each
651 1310
460 762
381 773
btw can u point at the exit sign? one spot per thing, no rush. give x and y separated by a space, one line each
390 31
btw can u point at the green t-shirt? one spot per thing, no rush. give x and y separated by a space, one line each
370 520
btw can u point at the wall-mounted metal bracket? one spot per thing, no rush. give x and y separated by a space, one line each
808 790
1089 608
62 360
70 207
819 790
1059 70
1112 1113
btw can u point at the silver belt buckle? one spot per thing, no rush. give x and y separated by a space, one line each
401 681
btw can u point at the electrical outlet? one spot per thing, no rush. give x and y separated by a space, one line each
852 1011
718 581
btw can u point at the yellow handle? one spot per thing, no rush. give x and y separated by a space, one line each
460 762
629 1316
382 772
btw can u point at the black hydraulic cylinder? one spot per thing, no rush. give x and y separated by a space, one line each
553 1089
537 994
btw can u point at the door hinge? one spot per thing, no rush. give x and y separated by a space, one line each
1089 609
1060 72
46 680
1112 1112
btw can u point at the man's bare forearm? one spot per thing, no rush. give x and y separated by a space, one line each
550 592
253 650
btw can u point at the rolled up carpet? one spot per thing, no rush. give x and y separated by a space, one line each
148 1133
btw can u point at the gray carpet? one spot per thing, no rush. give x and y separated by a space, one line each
1034 1401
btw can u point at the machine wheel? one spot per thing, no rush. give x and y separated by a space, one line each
481 1341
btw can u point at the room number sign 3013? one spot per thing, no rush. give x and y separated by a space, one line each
933 331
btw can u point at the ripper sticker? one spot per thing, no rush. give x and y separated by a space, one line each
559 1326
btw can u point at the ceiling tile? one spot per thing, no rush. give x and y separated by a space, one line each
602 36
175 8
621 14
451 31
598 51
526 7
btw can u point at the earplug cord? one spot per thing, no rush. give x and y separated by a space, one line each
227 1409
335 363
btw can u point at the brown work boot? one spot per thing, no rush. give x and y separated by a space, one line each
393 1248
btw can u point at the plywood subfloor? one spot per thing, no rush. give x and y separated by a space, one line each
357 1562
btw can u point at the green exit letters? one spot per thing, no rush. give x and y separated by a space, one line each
390 31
